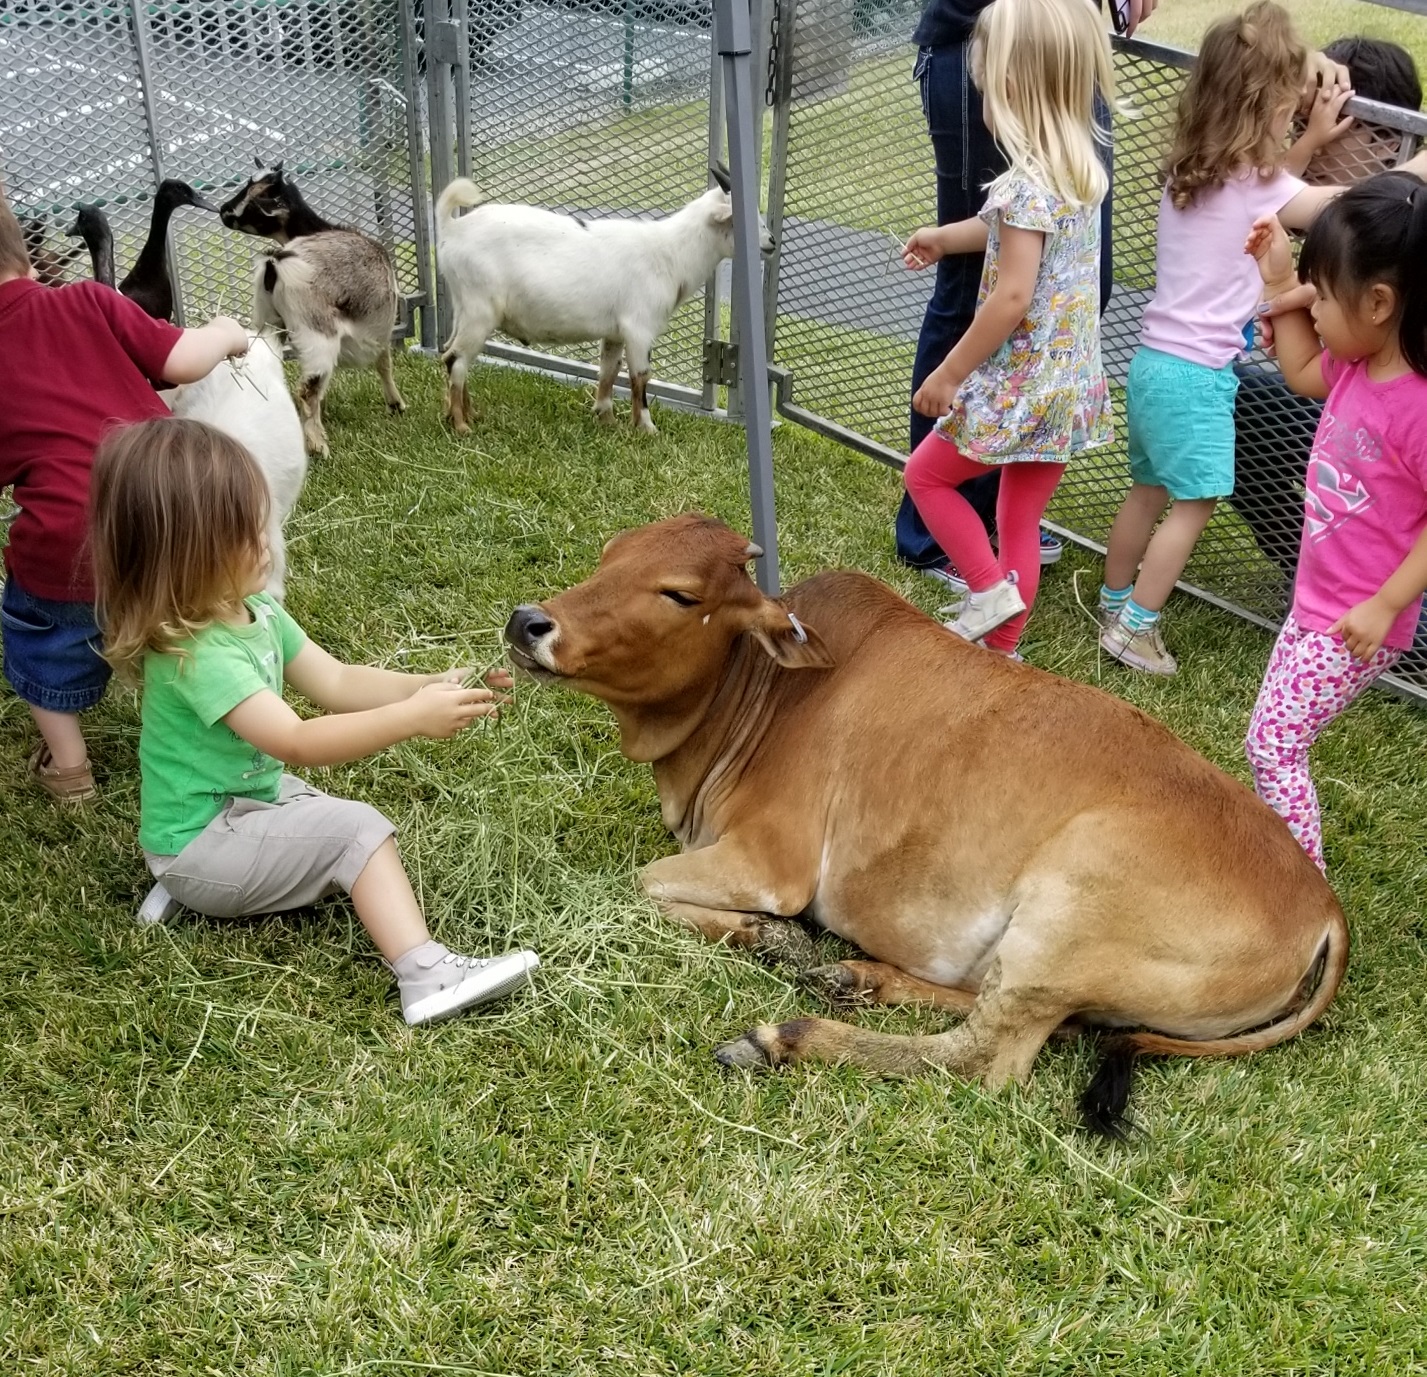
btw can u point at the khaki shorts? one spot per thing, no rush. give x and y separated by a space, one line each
269 857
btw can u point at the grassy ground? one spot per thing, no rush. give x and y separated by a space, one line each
222 1152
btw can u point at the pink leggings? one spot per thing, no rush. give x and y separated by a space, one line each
935 471
1310 680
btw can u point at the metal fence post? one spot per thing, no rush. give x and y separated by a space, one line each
441 46
416 171
733 38
713 288
139 22
781 85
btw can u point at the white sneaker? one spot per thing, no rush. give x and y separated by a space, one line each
983 612
1141 650
435 982
158 907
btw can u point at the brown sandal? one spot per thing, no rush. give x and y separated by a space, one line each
74 785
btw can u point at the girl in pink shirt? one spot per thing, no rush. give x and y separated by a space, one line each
1363 566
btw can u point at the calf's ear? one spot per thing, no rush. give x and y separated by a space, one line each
787 640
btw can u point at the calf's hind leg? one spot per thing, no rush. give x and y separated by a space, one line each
997 1043
875 982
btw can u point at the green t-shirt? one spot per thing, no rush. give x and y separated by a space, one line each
190 761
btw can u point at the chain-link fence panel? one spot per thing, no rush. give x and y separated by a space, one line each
597 108
101 104
859 177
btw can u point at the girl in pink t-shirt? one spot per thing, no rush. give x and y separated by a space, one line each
1363 566
1226 167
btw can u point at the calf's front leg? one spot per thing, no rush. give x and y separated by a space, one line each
719 891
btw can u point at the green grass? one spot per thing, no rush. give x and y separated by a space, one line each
222 1152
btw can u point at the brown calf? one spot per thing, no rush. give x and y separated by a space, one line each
997 840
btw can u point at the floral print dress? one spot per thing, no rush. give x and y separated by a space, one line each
1042 396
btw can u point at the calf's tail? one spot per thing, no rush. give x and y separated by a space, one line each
1103 1104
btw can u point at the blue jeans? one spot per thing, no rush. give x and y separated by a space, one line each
52 651
966 160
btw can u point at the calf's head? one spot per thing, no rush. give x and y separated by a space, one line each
652 630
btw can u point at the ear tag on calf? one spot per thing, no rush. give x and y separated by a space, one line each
799 633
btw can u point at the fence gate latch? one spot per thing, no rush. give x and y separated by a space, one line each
721 363
444 43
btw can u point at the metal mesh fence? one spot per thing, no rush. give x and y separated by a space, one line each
851 147
598 108
99 103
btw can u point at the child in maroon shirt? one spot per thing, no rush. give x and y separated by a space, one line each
75 361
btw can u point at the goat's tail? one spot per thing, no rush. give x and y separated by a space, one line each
461 193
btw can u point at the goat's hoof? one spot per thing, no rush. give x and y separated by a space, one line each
604 415
646 426
459 426
397 408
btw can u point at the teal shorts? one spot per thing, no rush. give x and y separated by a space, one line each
1181 424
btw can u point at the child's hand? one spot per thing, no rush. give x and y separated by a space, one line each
1325 122
442 709
470 676
235 338
1320 72
1364 628
1268 243
936 395
923 249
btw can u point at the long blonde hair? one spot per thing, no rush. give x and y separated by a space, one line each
1249 74
177 513
1041 64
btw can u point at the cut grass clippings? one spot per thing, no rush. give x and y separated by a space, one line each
221 1151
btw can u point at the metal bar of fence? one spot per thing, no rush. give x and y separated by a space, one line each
733 38
416 165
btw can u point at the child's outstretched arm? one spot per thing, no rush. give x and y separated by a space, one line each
932 243
435 710
199 351
334 687
1299 353
1017 268
1325 124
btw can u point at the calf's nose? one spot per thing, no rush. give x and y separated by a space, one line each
527 625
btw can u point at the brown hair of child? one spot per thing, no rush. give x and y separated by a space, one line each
1235 107
177 516
14 256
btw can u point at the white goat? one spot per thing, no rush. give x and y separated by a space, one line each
560 279
248 399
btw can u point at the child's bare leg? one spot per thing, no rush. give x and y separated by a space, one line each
1130 535
386 904
63 736
1169 552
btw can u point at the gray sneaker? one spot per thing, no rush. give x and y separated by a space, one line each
435 982
158 907
1142 650
981 613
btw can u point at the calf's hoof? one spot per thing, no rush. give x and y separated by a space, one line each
836 983
785 943
769 1044
747 1052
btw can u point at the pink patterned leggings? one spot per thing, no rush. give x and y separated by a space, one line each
1311 678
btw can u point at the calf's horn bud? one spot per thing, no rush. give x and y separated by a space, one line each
753 551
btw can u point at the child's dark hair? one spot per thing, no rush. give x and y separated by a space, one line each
1380 71
1376 231
177 515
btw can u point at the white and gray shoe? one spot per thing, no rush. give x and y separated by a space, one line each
981 613
158 907
435 982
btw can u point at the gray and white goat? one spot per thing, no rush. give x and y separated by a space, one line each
333 290
562 279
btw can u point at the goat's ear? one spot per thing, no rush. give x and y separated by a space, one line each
787 640
277 170
720 174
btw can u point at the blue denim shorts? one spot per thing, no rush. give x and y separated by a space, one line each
1181 424
52 655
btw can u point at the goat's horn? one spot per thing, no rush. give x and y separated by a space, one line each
721 176
258 162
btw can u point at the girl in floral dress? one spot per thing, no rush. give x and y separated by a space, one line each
1023 390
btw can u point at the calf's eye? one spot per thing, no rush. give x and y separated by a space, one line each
677 595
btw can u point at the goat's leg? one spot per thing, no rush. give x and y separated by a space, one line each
457 366
277 557
611 351
636 352
317 356
393 397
